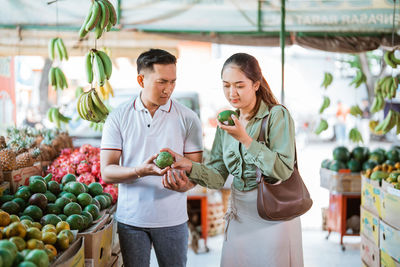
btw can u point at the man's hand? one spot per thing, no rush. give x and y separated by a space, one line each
150 168
177 180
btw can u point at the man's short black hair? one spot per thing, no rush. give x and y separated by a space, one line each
147 59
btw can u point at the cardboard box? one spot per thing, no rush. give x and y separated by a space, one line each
21 176
3 187
371 195
370 253
387 261
98 244
340 182
116 248
389 240
74 256
369 226
43 166
390 206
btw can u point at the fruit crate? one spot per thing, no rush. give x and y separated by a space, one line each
340 182
215 219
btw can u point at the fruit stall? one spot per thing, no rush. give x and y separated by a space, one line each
55 208
365 184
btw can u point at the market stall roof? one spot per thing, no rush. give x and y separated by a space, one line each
336 25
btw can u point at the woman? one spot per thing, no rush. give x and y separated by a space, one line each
249 240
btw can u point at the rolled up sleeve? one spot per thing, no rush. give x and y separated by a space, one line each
214 173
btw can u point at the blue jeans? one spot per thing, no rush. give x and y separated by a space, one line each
170 245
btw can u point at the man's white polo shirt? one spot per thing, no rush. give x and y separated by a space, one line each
131 129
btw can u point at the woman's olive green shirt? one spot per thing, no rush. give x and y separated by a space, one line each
228 156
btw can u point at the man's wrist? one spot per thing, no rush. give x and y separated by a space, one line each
136 172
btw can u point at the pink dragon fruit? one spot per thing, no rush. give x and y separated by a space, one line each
113 190
83 167
85 149
77 157
96 169
86 178
95 158
66 152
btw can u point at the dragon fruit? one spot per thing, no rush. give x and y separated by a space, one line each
83 167
77 157
66 152
86 149
86 178
96 169
113 190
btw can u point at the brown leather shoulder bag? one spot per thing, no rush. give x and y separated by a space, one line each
285 200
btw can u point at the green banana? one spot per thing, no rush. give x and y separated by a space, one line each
51 48
388 61
52 77
322 126
50 115
61 44
355 136
98 103
327 80
356 111
59 50
105 16
99 69
59 80
325 104
82 30
78 106
89 71
359 79
64 80
95 17
113 14
78 91
106 63
393 58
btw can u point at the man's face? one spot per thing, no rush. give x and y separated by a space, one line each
158 84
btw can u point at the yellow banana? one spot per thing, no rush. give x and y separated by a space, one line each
98 103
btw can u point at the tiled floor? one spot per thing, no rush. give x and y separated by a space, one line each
317 251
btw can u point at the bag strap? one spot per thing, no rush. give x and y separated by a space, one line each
261 137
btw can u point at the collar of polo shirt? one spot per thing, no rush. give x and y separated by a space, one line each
138 105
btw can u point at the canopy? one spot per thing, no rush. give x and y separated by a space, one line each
333 25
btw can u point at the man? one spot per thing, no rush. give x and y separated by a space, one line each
148 214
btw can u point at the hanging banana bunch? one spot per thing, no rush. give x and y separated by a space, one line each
325 104
57 79
356 111
91 108
359 79
101 16
387 86
98 66
391 120
322 126
55 116
328 78
355 136
57 44
391 59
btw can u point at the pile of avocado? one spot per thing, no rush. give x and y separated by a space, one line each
48 202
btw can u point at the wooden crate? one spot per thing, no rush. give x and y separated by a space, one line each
340 182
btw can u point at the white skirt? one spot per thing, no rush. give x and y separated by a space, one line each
251 241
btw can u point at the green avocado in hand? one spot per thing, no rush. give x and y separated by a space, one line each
164 159
225 116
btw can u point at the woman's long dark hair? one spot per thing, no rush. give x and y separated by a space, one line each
250 67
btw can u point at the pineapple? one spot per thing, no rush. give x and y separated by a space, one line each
27 159
46 146
2 142
8 159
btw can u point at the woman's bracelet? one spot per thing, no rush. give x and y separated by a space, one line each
136 172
